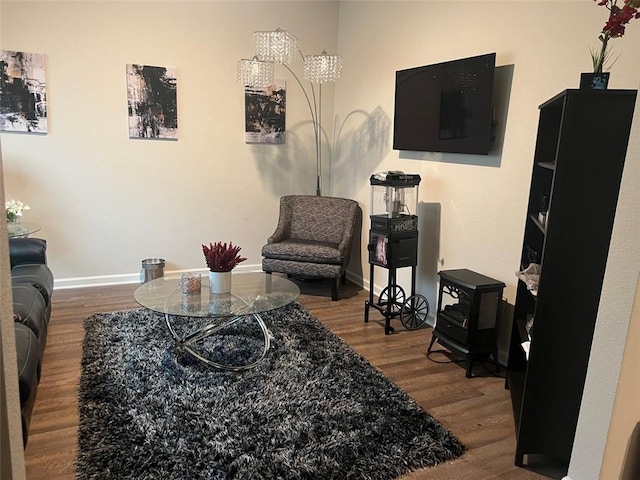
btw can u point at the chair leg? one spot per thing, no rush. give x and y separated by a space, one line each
334 289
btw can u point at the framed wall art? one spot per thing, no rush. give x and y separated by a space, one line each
265 110
152 102
23 97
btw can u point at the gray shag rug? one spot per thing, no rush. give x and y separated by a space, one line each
312 409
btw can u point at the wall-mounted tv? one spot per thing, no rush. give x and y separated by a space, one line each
445 107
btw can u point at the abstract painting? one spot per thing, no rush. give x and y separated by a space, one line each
265 113
152 100
23 98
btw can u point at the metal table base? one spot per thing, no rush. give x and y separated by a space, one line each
189 342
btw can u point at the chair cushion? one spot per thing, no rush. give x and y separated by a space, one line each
37 275
304 269
304 251
321 219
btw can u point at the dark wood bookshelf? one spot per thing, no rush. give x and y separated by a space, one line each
579 158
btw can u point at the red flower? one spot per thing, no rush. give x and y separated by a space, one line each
220 257
619 17
614 27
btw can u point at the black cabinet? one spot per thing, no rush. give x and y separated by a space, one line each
579 157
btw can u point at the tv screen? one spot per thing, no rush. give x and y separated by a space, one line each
445 107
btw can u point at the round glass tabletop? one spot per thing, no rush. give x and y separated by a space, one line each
22 229
251 293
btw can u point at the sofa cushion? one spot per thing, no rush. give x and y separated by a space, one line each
28 360
27 250
30 309
28 356
37 275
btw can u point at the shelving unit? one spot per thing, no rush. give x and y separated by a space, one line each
579 158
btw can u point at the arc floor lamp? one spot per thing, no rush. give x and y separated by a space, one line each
281 47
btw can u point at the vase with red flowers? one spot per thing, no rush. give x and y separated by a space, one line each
221 258
619 17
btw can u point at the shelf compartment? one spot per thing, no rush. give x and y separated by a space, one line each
522 328
538 224
515 383
547 165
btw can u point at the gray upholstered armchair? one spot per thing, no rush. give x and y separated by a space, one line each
313 238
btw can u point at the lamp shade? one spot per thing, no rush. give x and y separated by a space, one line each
275 46
255 73
322 68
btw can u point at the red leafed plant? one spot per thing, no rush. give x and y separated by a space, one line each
613 28
221 257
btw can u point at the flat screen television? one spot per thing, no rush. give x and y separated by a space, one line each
445 107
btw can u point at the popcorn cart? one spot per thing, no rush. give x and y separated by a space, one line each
393 244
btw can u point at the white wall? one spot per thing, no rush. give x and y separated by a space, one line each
621 456
106 202
482 199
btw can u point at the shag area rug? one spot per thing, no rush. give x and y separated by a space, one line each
312 409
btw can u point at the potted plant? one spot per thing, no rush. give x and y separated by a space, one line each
13 210
221 258
613 28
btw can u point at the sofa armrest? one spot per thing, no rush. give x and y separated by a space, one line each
27 250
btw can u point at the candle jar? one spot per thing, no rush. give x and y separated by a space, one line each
191 283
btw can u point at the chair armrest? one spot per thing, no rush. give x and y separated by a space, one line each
283 230
347 235
27 250
278 236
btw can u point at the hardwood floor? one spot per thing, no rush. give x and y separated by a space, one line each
476 410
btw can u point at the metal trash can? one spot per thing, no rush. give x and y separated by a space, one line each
152 268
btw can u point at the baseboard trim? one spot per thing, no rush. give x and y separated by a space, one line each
96 281
129 278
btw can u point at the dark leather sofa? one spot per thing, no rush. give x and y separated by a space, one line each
32 284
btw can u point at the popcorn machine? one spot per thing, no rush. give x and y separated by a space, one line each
393 244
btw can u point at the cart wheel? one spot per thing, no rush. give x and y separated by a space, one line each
398 294
414 312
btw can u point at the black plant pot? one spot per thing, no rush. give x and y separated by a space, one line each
594 81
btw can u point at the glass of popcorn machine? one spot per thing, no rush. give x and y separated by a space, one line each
394 223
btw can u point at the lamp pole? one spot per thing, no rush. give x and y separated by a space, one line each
315 109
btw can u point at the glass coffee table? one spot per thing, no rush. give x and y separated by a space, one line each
22 229
225 331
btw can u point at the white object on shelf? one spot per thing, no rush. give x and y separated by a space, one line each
530 276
